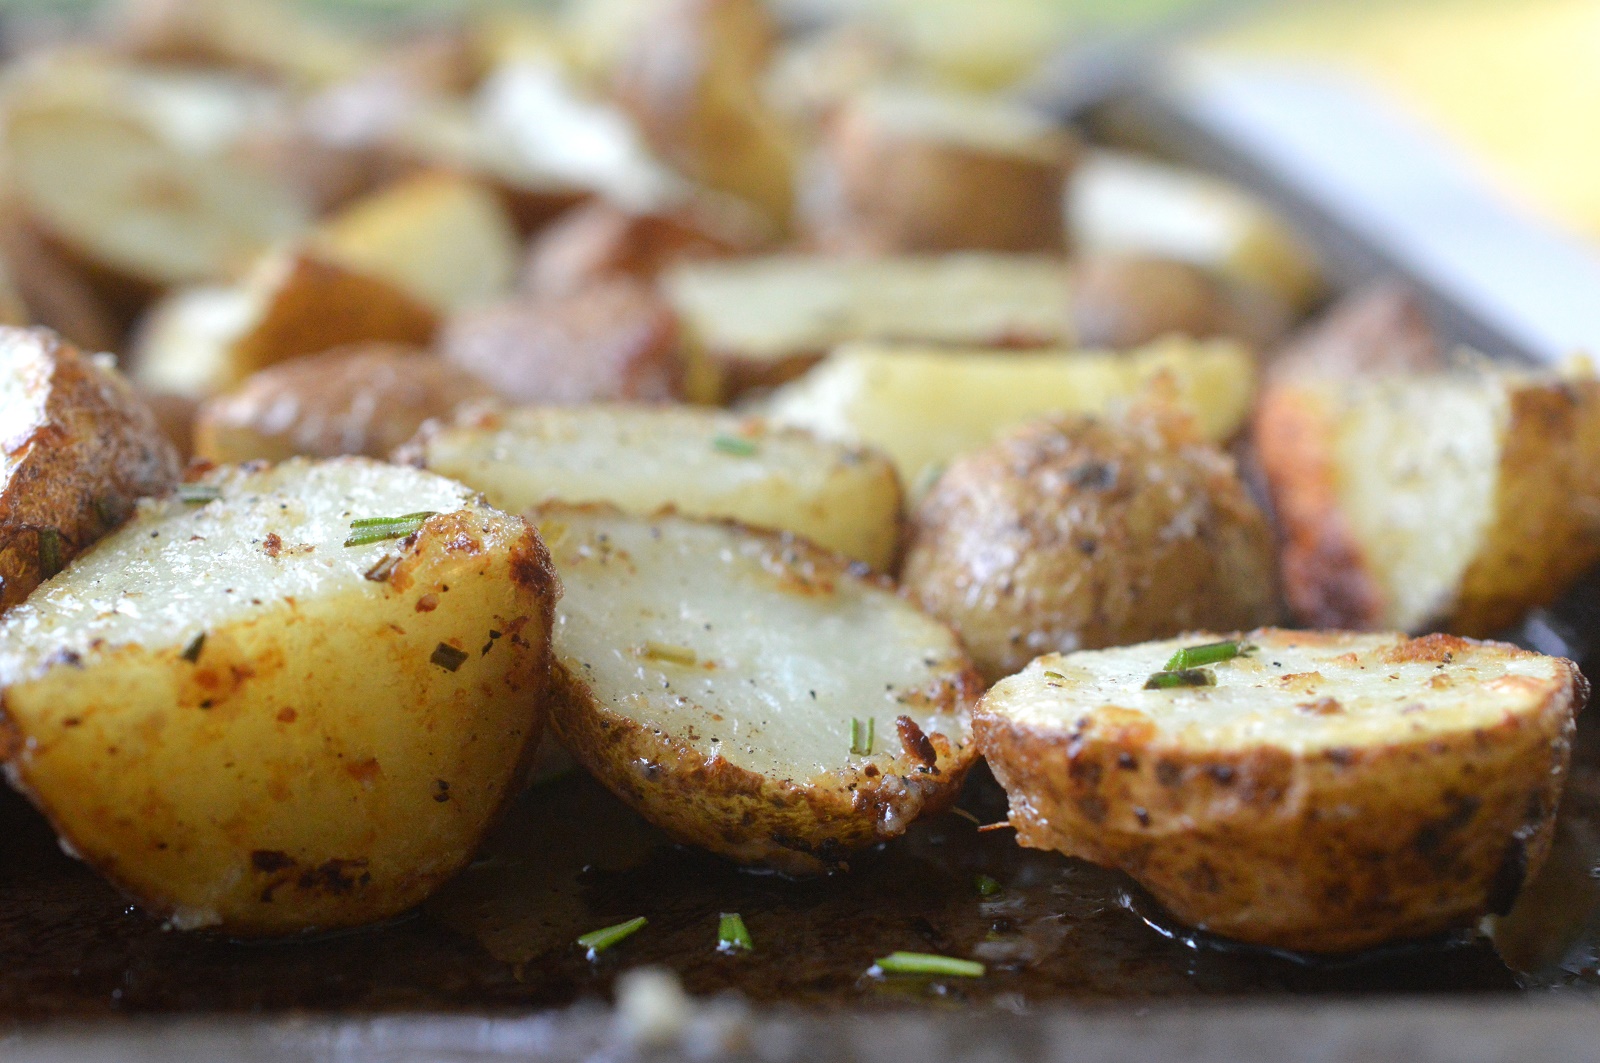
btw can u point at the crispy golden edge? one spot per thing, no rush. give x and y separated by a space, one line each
800 828
94 450
1545 530
1326 578
1332 853
532 572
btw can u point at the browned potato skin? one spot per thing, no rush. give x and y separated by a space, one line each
89 449
363 399
1055 538
174 415
613 340
1121 301
600 240
692 82
1215 838
902 194
1383 328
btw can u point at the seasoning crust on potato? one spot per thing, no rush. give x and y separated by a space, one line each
81 448
250 711
749 693
1077 533
1328 793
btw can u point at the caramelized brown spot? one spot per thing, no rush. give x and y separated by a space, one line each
1321 707
270 860
427 603
287 715
916 743
273 545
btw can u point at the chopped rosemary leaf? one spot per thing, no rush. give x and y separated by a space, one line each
1182 677
49 552
733 935
668 653
597 941
987 886
377 529
1055 675
862 737
739 448
448 657
927 963
191 652
1210 653
956 810
198 494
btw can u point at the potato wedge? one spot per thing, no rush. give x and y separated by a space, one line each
136 210
245 723
1329 793
759 322
701 462
1125 204
444 239
364 399
613 340
201 341
924 405
691 78
81 447
749 693
53 291
1083 532
923 169
1453 500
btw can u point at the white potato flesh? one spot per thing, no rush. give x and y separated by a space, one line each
244 722
1276 694
788 671
923 405
115 193
701 462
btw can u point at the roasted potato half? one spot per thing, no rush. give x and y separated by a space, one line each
924 405
749 693
691 78
200 341
755 322
364 399
1457 499
80 449
613 340
444 239
1121 301
914 168
135 211
701 462
245 722
1084 532
1323 792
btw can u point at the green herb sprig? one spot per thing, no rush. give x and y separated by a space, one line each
734 445
377 529
1209 653
732 935
198 494
988 886
49 552
862 736
597 941
927 963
